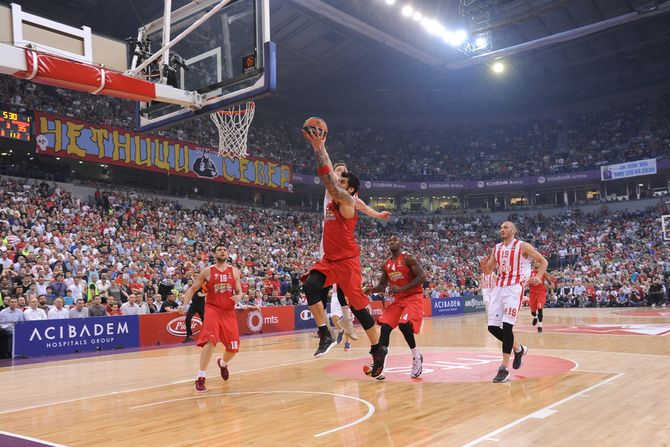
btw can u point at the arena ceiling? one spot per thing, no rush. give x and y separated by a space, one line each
361 56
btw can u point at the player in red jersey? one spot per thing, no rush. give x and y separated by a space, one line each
341 256
403 275
538 295
223 292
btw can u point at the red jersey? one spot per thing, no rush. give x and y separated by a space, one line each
338 235
540 288
220 288
400 275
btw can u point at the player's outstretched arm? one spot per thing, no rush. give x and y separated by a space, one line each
327 174
200 281
369 211
238 286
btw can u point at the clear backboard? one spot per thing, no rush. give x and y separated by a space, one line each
219 49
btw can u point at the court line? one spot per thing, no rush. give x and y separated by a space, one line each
112 393
371 408
28 438
541 413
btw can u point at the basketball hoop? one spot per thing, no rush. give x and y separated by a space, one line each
233 124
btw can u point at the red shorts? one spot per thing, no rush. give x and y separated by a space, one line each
537 300
346 273
220 325
405 310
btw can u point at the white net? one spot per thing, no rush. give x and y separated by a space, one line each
233 124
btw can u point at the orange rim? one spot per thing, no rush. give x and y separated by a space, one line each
250 106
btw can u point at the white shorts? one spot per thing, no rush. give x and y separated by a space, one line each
504 304
335 307
486 294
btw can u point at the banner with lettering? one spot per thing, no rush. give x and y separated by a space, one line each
66 137
70 335
629 169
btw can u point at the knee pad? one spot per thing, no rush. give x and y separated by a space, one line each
508 338
364 318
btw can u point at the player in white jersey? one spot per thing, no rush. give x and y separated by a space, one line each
339 310
512 260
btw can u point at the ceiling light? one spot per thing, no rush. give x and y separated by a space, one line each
417 16
390 2
407 10
498 67
480 42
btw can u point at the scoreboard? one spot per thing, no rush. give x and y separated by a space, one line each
15 126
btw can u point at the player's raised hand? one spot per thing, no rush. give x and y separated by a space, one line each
314 137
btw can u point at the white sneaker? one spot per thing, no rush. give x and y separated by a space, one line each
417 366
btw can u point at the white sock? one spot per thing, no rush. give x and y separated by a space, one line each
223 363
539 324
346 313
415 353
202 374
518 350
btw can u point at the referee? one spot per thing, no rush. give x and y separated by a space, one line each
197 306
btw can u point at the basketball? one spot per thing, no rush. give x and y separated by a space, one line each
316 123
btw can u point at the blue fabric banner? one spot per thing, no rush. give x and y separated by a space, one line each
53 337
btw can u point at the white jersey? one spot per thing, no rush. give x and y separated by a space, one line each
511 265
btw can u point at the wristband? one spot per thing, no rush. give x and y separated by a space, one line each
323 170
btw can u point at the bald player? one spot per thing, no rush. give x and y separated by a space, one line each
511 259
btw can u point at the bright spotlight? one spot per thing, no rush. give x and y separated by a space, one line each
480 42
390 2
460 36
498 67
417 16
407 10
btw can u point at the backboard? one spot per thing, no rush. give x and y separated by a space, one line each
227 58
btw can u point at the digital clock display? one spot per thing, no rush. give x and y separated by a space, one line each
15 126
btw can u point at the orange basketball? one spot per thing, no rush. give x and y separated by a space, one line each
316 123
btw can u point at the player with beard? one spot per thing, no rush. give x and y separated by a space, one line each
224 291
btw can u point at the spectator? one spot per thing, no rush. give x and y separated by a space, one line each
96 309
33 312
130 308
58 310
171 304
9 316
79 310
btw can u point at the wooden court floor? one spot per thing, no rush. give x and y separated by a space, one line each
595 377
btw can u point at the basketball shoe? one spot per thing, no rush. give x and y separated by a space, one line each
534 321
539 329
378 360
225 374
367 369
347 345
502 376
417 366
326 343
200 385
518 357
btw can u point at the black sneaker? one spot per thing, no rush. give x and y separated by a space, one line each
326 343
518 357
187 340
539 329
502 376
379 361
534 321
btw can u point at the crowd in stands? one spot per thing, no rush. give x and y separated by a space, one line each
127 253
574 142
